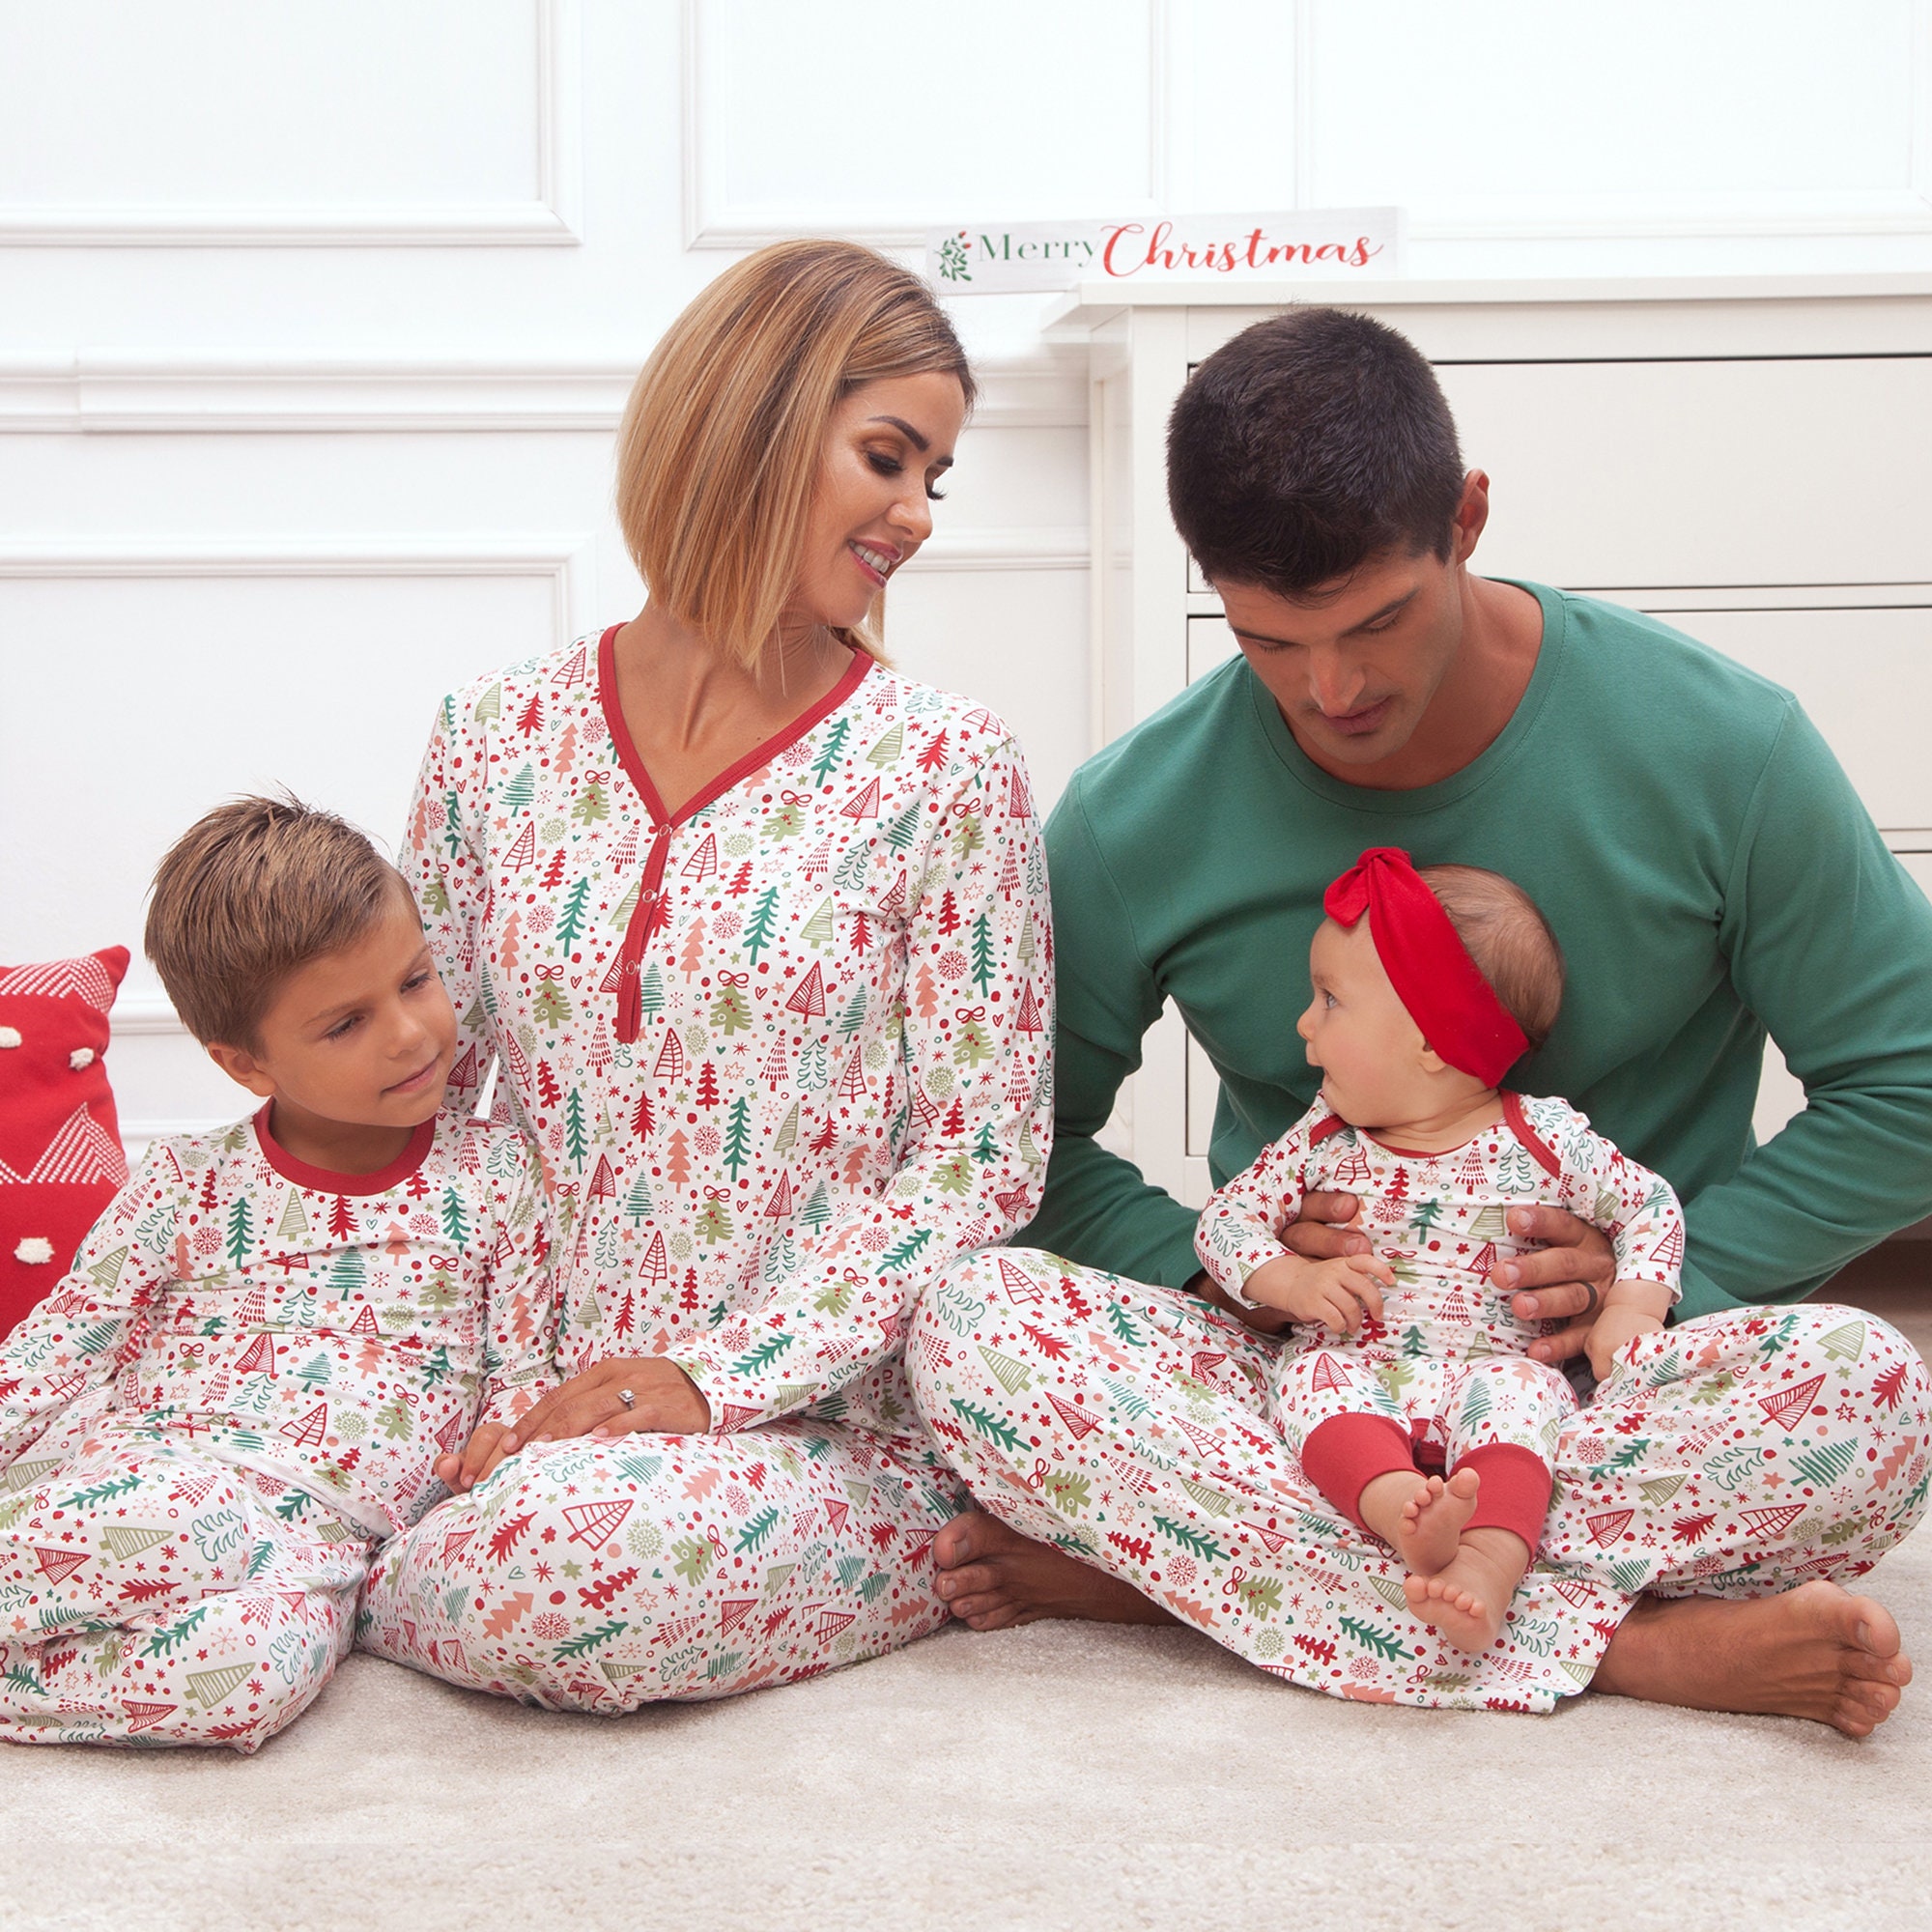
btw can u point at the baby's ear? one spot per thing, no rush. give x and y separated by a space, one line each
1432 1061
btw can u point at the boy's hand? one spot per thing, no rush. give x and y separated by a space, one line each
1337 1293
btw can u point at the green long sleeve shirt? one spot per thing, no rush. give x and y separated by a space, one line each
1706 865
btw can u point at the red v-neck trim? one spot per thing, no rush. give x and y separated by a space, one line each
762 755
324 1181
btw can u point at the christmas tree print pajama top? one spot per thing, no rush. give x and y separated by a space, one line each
785 1056
1448 1365
238 1389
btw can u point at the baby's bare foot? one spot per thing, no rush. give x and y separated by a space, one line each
1430 1532
1468 1598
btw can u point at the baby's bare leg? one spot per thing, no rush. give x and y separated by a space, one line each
1468 1599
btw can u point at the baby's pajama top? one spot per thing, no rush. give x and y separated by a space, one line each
238 1389
1443 1379
785 1055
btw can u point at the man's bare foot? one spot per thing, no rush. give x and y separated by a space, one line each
992 1578
1468 1598
1814 1651
1421 1518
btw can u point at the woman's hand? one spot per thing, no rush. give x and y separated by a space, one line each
665 1401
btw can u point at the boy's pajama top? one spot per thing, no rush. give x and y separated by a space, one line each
1448 1365
238 1389
785 1054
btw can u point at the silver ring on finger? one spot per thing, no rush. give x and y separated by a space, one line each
628 1397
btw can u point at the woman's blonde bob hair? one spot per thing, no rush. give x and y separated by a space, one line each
722 439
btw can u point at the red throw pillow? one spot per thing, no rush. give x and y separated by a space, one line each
60 1144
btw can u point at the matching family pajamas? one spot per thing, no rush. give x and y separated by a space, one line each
239 1388
783 1052
1443 1379
1733 1456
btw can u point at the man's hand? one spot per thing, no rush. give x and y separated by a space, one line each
1568 1277
1336 1293
665 1401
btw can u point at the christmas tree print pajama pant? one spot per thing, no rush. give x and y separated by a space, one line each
150 1595
1736 1456
600 1575
1350 1413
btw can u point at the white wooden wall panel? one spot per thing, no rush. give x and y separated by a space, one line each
315 321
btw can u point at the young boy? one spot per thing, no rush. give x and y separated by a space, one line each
1418 1011
244 1380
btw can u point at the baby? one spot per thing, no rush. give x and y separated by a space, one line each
1418 1011
244 1380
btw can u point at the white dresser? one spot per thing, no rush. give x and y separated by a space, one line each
1751 461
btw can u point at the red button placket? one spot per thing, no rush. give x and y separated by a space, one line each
648 919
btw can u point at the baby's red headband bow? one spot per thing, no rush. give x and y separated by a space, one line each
1427 964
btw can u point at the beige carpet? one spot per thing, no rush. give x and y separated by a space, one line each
1054 1776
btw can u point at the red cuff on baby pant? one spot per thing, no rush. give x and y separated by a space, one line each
1343 1455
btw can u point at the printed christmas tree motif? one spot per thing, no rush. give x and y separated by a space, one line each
691 961
455 1216
703 864
571 924
565 755
490 707
292 1225
954 1175
530 721
934 757
1491 1223
394 1420
591 805
1788 1407
887 751
778 1204
828 758
707 1086
809 1000
239 1231
907 1249
865 805
784 821
973 1046
1027 1019
551 1007
604 1182
1369 1637
553 875
452 822
948 914
521 856
967 837
854 1015
637 1202
595 1524
1846 1344
817 1209
763 922
341 1219
731 1012
1472 1172
738 1136
1668 1252
818 930
852 1086
903 828
677 1158
787 1137
307 1430
714 1222
515 796
314 1374
576 1142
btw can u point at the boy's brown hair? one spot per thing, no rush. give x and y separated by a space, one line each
248 894
1503 931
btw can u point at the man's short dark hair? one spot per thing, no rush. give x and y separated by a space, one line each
1309 445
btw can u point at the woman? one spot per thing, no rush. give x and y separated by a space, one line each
758 931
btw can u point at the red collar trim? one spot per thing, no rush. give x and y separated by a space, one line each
627 752
1514 1118
322 1182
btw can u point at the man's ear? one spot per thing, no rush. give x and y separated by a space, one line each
238 1064
1473 515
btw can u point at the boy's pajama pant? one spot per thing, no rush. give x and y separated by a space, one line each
151 1595
1734 1455
600 1575
1349 1414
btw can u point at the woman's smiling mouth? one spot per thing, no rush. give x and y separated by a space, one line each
875 560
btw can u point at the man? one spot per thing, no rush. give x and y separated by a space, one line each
1709 872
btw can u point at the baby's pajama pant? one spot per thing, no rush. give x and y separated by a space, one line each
1352 1417
152 1595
